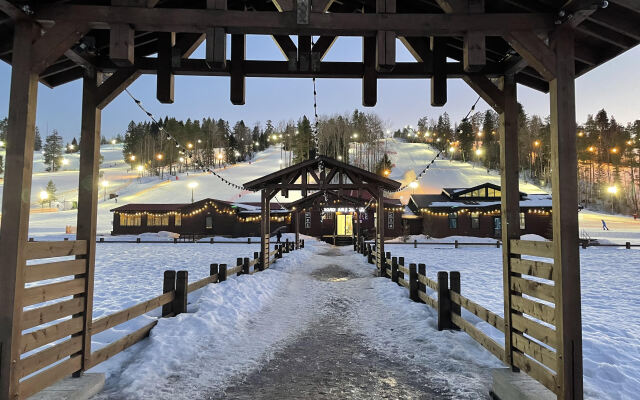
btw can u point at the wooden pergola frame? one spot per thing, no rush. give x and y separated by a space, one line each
495 44
320 175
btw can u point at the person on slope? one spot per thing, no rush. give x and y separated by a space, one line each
604 226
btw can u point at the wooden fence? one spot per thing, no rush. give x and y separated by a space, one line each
535 342
51 364
457 244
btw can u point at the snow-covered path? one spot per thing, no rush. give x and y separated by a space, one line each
319 318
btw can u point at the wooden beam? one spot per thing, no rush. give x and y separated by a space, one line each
55 42
304 53
165 80
439 78
323 45
284 5
487 90
474 47
385 40
535 51
321 6
114 85
370 76
16 202
288 49
121 44
12 11
270 23
216 51
510 196
303 11
566 272
238 54
88 197
419 48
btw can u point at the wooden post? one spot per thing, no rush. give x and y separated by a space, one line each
370 76
88 196
286 247
369 254
422 270
279 253
180 302
455 244
239 264
401 262
213 270
439 78
394 269
302 243
566 271
413 283
627 245
16 203
256 257
454 286
297 227
164 77
216 46
444 302
510 197
415 243
264 228
245 266
380 229
168 285
222 273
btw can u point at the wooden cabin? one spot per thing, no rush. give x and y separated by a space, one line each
475 211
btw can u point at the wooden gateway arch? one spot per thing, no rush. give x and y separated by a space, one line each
492 45
321 175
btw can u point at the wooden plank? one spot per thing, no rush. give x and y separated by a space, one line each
44 358
403 269
120 345
122 44
403 282
427 282
536 371
533 248
370 76
439 78
115 319
535 51
216 46
234 270
62 248
537 310
538 269
55 42
52 291
33 385
15 202
35 339
539 332
114 85
533 349
201 283
428 300
533 288
41 272
238 55
487 316
484 340
487 90
565 217
38 316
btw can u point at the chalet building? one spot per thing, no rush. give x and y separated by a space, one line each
338 216
475 211
207 217
341 216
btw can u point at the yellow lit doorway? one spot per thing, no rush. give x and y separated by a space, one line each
344 225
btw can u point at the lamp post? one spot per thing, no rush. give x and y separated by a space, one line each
43 197
192 186
105 184
413 185
140 169
613 190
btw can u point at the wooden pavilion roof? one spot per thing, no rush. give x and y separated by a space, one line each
601 34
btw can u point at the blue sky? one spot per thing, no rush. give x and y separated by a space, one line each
614 86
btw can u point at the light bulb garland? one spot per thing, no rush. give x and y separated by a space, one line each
420 175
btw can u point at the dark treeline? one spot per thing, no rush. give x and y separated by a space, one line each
172 145
608 153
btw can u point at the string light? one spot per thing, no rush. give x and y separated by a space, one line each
420 175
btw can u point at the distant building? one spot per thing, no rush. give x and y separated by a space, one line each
475 211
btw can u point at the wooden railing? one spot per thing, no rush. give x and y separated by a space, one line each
534 339
35 371
173 301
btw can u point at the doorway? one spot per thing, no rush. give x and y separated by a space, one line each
344 225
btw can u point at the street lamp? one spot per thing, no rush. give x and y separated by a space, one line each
44 195
1 143
132 157
65 161
192 185
105 184
413 185
613 190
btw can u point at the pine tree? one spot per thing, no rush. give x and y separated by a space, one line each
383 166
51 191
37 144
466 138
53 151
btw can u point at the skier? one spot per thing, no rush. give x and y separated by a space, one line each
604 226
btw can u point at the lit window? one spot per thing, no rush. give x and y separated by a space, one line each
307 220
178 220
208 222
453 221
523 223
130 220
158 220
475 220
390 220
